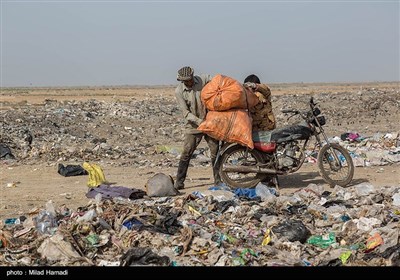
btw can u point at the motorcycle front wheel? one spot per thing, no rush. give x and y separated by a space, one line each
238 156
335 165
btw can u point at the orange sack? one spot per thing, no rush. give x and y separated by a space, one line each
224 93
230 126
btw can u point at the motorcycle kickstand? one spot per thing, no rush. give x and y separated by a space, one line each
275 181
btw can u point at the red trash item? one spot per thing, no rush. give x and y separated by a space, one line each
373 242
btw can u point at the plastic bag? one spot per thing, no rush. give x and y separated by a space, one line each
293 230
96 174
323 241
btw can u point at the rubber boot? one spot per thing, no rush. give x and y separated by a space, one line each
217 176
181 174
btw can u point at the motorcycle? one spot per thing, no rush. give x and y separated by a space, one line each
282 151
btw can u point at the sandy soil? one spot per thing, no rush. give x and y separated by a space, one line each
36 184
24 187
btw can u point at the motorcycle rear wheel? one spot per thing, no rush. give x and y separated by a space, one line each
236 156
335 173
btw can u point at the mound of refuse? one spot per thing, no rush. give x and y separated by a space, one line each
354 226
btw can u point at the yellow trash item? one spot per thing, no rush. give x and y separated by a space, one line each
344 257
96 174
267 238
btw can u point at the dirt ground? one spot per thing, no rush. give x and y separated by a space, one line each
36 184
28 186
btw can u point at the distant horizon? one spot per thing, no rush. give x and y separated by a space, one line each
174 85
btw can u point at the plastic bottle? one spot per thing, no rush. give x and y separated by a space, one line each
45 223
265 193
12 221
364 189
88 216
50 208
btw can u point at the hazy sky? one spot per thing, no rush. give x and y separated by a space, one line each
74 43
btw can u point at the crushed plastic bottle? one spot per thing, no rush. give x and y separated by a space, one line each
45 223
364 189
88 216
97 200
12 221
265 193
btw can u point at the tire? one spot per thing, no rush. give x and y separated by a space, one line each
234 155
332 173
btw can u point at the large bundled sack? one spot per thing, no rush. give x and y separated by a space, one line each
230 126
224 93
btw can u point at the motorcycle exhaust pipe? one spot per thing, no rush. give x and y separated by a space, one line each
250 169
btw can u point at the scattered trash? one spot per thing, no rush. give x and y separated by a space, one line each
345 256
45 223
109 192
96 174
12 184
203 230
396 199
265 193
71 170
323 241
373 242
5 152
292 230
221 229
143 256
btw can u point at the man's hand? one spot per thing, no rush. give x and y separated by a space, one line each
199 121
251 85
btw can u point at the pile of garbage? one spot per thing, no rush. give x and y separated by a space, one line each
380 149
354 226
128 132
376 150
147 133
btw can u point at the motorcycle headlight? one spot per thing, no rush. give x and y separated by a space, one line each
321 120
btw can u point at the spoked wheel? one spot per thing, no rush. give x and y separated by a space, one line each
236 157
335 165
